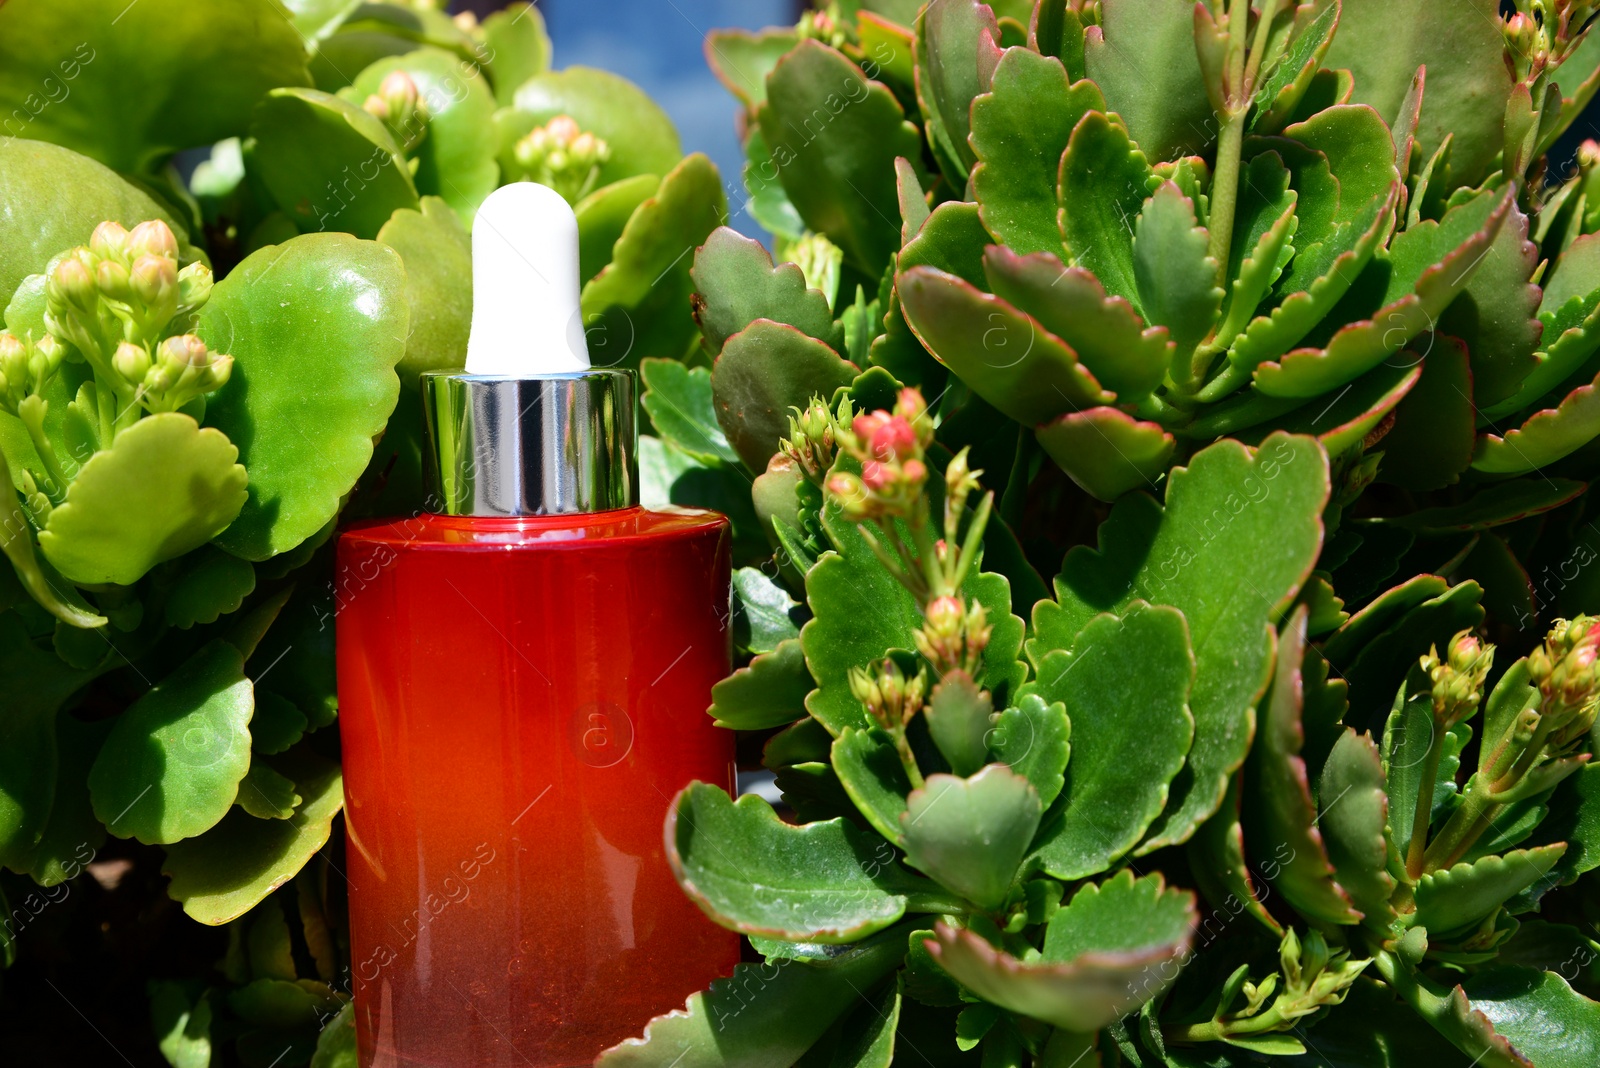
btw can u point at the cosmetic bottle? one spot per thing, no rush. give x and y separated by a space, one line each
523 677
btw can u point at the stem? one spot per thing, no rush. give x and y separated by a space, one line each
32 412
1225 191
903 747
1465 826
1258 48
1423 815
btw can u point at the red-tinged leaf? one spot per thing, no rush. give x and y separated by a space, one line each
1343 420
742 60
1142 56
763 371
1545 438
1102 185
954 39
1432 438
1107 451
1002 354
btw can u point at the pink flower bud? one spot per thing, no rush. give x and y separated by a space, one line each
866 425
876 475
153 238
109 239
910 405
915 471
894 439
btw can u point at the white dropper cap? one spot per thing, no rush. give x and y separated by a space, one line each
526 317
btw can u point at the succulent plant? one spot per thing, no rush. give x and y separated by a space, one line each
1278 284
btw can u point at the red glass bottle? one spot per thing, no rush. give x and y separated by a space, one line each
522 691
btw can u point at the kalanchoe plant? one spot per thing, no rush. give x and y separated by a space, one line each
1265 330
198 379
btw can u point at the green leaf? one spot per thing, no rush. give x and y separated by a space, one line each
1033 738
603 216
1385 661
638 304
1457 898
120 520
742 60
863 1037
1278 804
869 769
70 838
678 401
182 1024
958 716
1230 504
956 46
1216 856
315 326
277 724
52 199
1103 183
825 882
1570 314
769 204
1108 951
861 613
1356 410
1142 56
1468 82
131 85
517 48
1495 315
1020 128
1496 505
839 169
267 795
336 1044
1546 437
763 371
213 586
1121 769
230 869
1176 279
1069 302
763 612
456 160
736 284
641 136
170 768
764 1016
1286 81
1433 435
328 164
770 692
1353 812
1539 1014
1003 355
970 834
437 252
1575 819
1264 225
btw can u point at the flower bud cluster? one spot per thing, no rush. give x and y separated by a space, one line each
812 441
1564 669
953 634
1458 679
399 105
116 300
891 448
26 367
562 156
891 699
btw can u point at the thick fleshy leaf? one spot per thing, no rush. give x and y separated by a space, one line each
603 217
309 144
958 715
267 795
1108 452
862 613
1353 811
1102 186
1427 267
1033 739
1432 438
763 371
1539 1014
822 882
869 769
165 486
516 47
1121 769
1277 793
952 239
456 160
953 39
1160 94
1454 899
214 584
1004 355
742 60
316 327
971 834
1286 82
839 170
1569 312
1108 336
637 306
1496 313
641 136
230 869
1020 128
1545 438
764 615
1106 952
736 284
1496 505
437 252
678 400
1221 871
1274 497
1468 82
1382 664
1575 819
52 199
170 768
770 692
1175 276
1357 409
1264 227
765 1016
66 73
